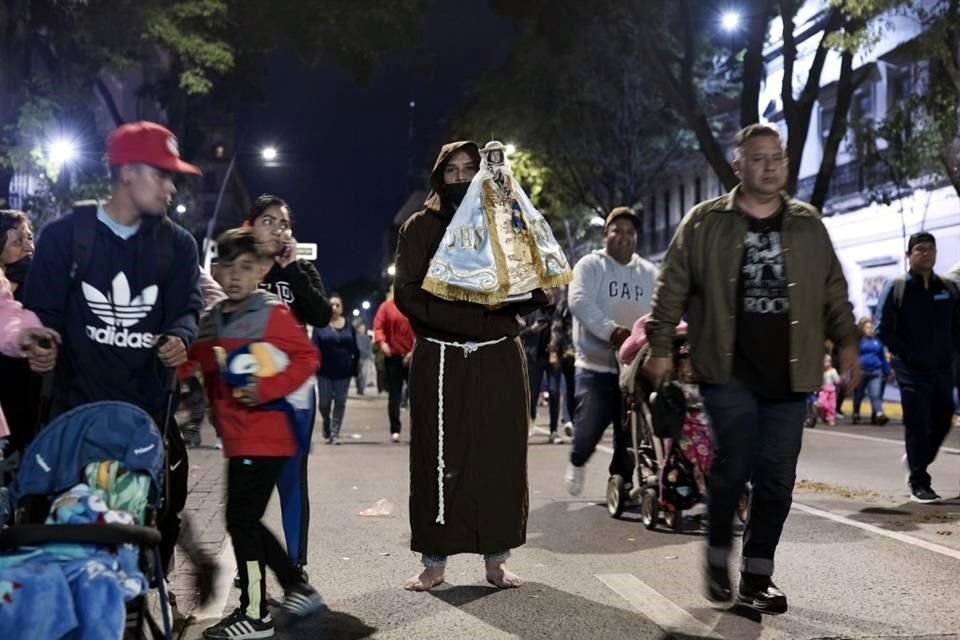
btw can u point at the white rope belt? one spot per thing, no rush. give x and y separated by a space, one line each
468 348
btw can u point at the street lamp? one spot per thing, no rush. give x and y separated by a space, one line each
269 153
511 149
356 313
181 209
392 270
366 305
730 20
62 151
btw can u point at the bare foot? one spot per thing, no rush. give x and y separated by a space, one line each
502 578
428 579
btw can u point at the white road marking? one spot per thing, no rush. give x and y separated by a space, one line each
216 607
657 608
855 436
894 535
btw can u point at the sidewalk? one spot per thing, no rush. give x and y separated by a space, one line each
205 504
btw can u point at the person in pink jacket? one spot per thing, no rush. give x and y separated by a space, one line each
20 329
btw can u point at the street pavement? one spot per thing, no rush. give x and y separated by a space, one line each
857 560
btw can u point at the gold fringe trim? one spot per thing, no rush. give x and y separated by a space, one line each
453 293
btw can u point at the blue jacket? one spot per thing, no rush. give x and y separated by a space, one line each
872 356
338 351
109 317
922 332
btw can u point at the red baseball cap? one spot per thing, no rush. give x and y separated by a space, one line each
147 143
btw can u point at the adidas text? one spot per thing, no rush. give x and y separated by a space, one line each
120 337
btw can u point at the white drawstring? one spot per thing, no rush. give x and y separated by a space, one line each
468 348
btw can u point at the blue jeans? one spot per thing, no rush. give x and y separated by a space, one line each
433 561
333 393
598 404
872 384
756 440
927 416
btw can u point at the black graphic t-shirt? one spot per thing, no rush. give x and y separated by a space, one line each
762 347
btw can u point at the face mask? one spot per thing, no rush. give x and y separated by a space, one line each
454 193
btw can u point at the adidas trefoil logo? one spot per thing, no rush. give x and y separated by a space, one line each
119 312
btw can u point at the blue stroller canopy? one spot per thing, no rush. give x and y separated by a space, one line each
96 432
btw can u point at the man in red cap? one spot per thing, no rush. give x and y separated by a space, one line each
120 282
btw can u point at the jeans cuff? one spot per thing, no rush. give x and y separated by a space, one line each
718 556
502 556
432 561
758 566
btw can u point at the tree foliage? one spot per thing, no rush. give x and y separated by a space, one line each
570 96
54 52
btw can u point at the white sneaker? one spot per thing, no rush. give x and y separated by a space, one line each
574 479
395 437
568 429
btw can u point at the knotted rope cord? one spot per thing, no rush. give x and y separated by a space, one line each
468 348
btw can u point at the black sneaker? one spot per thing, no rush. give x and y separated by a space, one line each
879 420
718 585
238 626
301 601
925 495
760 594
855 419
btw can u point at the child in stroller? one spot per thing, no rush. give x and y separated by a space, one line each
670 435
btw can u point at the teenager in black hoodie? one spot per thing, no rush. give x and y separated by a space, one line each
297 283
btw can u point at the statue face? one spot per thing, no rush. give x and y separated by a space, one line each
495 157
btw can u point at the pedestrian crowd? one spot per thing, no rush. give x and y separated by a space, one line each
736 352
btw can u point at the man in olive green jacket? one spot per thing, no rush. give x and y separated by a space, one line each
756 275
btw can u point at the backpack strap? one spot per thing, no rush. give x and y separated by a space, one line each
163 241
899 286
84 235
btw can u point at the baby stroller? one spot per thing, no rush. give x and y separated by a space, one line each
58 460
665 476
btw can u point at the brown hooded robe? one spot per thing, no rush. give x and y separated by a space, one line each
486 400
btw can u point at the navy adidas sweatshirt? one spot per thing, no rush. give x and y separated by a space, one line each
109 315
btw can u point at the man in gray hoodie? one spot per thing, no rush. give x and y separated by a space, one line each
611 289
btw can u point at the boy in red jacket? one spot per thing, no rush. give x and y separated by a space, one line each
257 435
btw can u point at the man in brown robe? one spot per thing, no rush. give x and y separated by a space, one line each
468 400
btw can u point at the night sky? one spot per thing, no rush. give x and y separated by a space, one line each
344 146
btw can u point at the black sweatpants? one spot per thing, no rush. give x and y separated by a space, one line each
250 482
178 466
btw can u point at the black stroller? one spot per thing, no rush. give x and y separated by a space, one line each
665 483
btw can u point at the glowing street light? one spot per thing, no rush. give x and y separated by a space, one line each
511 149
356 313
730 20
269 153
62 151
365 305
181 209
392 270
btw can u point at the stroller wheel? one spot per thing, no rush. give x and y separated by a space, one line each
649 508
743 506
616 495
673 520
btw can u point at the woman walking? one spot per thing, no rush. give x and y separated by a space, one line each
876 369
339 357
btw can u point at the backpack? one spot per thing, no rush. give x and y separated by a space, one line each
84 234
